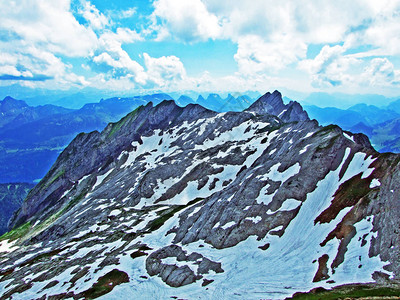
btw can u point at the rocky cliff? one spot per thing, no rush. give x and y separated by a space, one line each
177 202
11 197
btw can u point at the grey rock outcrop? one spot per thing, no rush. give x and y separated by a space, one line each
11 197
174 275
273 104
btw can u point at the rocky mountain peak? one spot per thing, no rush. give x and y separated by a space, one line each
273 104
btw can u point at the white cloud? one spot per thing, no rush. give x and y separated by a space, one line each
380 72
188 20
274 35
164 70
118 64
330 67
254 55
40 32
115 61
128 13
49 23
96 19
358 40
44 32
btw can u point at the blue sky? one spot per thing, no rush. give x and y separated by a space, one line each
137 46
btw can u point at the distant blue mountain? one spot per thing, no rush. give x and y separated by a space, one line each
332 115
184 100
344 101
394 106
362 128
216 103
373 114
381 125
14 111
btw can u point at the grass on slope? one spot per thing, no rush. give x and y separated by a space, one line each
352 291
16 233
106 284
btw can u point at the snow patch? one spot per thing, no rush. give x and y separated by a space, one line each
290 204
254 219
275 175
6 246
351 138
227 225
100 178
374 183
115 212
304 149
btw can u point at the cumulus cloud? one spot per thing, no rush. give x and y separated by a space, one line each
96 19
188 20
357 41
112 59
39 33
164 70
254 55
380 72
127 13
49 23
330 67
273 35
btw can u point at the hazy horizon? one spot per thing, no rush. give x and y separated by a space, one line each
123 48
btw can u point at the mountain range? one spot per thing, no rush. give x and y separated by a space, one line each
173 202
381 125
31 138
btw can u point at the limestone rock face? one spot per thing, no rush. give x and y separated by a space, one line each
273 104
11 197
189 203
174 275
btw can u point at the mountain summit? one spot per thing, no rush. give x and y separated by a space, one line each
273 104
174 202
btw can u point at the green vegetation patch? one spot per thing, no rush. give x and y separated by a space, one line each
17 233
169 213
50 220
327 129
165 215
73 202
53 179
117 126
329 144
58 175
106 284
356 291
